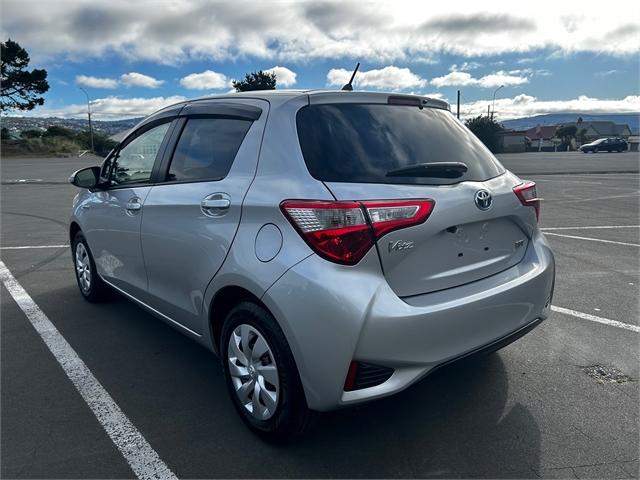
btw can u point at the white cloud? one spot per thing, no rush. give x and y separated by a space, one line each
608 73
526 105
131 79
390 77
134 79
463 67
284 76
501 78
454 79
96 82
436 95
109 108
207 80
173 31
488 81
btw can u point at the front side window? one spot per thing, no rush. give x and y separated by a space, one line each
135 160
207 148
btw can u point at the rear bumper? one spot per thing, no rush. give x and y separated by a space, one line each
333 314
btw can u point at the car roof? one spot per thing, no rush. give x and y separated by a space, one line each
321 96
281 96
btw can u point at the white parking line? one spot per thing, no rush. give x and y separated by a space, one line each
593 318
141 457
27 247
593 239
599 227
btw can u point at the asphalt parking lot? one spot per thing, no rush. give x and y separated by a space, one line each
528 411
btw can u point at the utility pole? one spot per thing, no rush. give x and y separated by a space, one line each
458 109
488 110
89 114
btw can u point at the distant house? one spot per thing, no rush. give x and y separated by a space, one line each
514 141
542 137
594 130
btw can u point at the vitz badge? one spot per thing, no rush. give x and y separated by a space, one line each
399 245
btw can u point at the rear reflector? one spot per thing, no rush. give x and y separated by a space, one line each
343 232
365 375
350 381
528 196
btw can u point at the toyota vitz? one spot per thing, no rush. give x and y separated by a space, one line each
330 247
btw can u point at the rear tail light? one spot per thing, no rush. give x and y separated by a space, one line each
343 232
386 216
528 196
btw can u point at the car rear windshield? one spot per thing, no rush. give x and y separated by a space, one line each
362 143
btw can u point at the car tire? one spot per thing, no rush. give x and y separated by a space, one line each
91 286
279 419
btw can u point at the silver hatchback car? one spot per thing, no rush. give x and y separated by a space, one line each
330 247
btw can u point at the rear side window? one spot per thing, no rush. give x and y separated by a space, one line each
361 143
206 148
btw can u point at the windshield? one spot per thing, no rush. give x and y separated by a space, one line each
362 143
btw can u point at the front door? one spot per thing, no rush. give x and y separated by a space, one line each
113 227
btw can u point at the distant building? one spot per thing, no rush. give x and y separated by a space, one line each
594 130
542 137
514 141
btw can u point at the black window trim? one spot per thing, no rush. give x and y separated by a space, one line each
178 116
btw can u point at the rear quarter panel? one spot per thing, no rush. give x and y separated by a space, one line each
281 174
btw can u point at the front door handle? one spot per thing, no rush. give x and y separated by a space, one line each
216 204
133 206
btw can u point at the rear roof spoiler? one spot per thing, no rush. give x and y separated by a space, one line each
323 97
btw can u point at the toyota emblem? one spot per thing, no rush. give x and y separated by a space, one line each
483 200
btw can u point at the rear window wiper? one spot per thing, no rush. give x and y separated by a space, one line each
431 169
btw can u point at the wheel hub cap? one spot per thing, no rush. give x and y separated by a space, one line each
253 371
83 267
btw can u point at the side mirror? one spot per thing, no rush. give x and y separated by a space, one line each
86 177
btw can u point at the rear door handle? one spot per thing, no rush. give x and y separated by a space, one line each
216 204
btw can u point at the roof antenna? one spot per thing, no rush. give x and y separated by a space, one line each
348 87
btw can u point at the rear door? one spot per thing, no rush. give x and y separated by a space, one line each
192 213
477 226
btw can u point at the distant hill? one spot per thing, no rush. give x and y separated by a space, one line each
108 127
631 119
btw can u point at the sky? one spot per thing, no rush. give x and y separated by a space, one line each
134 57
